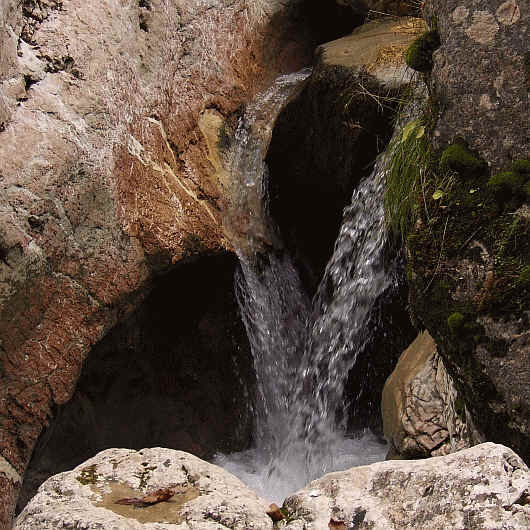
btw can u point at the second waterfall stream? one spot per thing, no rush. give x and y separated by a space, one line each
303 350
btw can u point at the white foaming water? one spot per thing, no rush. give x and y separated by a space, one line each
253 466
302 351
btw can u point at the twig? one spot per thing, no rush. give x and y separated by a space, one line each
439 257
422 178
469 238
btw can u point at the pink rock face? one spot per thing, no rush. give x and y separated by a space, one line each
104 175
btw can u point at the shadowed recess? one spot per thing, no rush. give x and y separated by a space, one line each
176 373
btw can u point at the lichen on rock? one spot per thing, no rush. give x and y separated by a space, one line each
204 495
482 487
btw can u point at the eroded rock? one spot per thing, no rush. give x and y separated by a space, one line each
422 412
483 487
104 178
206 497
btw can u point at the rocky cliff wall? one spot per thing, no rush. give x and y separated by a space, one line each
468 249
104 178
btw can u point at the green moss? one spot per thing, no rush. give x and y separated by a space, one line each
419 54
507 187
443 243
507 181
522 167
455 321
408 156
524 277
459 158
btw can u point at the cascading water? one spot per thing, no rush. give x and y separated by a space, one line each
354 278
302 351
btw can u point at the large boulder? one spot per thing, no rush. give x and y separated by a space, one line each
206 498
468 252
422 412
486 486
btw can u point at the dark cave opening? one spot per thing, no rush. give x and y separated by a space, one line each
334 20
176 373
322 146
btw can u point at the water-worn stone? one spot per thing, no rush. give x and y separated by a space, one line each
207 497
484 487
422 412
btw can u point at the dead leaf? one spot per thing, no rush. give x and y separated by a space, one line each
337 525
275 513
149 499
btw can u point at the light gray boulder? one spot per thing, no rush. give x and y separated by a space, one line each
207 498
486 486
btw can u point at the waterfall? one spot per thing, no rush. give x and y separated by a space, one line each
302 350
354 278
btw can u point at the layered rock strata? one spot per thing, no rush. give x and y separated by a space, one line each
422 412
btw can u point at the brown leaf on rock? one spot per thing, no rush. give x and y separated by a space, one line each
337 525
149 499
275 513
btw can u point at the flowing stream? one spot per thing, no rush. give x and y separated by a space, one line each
303 350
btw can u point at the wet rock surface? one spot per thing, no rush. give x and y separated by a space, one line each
206 497
484 487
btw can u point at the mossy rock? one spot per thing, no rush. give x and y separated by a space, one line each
522 167
506 185
459 158
419 54
456 321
